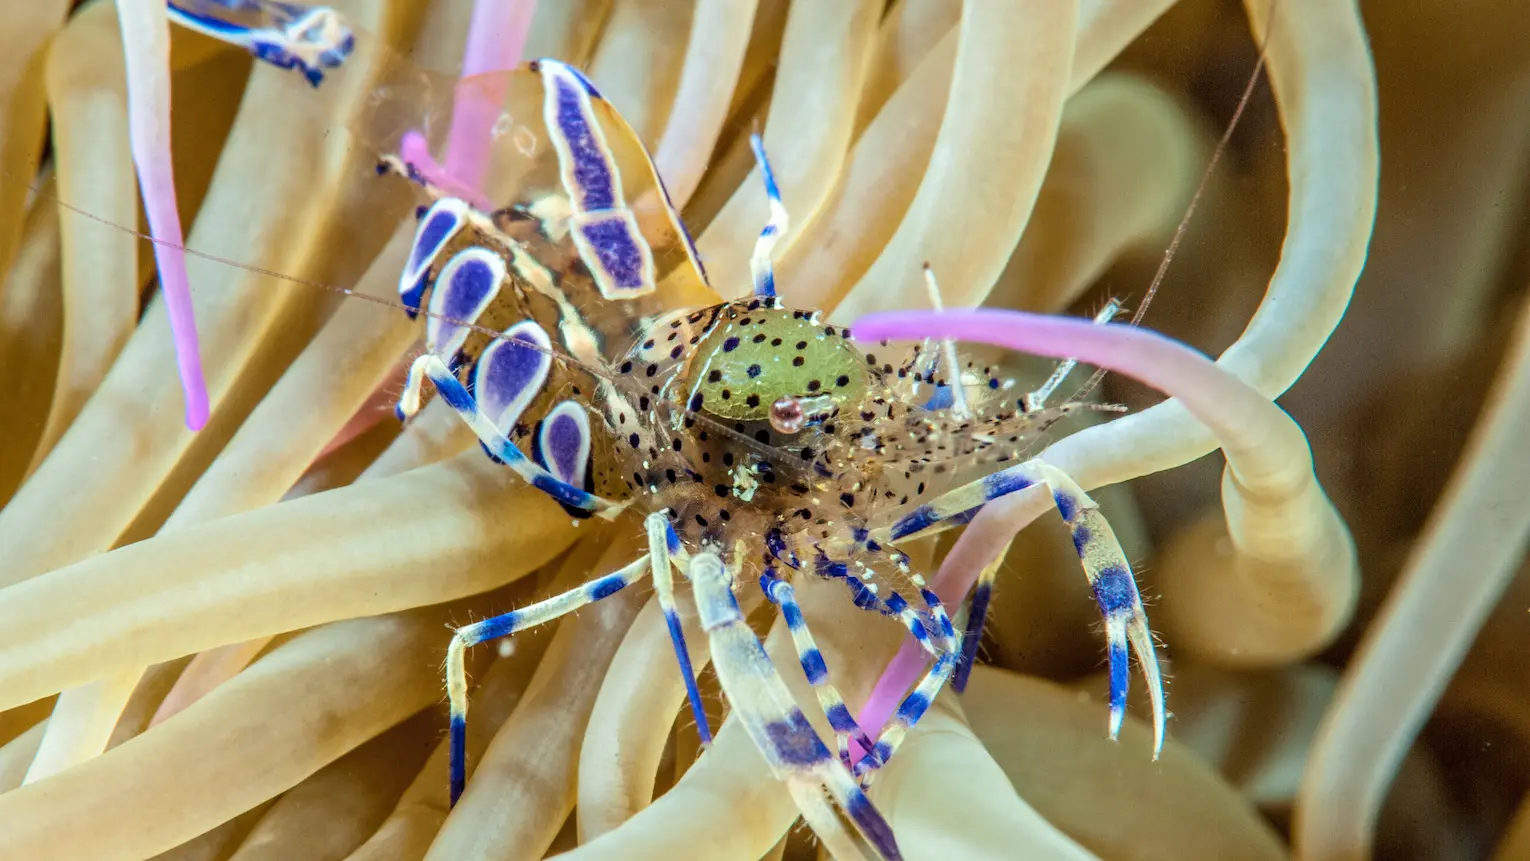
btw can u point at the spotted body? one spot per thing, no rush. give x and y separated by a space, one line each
573 329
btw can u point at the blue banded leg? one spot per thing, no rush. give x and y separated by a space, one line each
286 35
977 617
829 698
919 625
1105 566
505 625
763 704
663 545
917 702
760 265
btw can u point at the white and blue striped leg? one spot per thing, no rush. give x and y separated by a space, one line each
920 625
760 265
948 651
977 617
1105 566
663 546
845 727
286 35
505 625
779 729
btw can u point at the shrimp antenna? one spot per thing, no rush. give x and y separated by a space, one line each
1200 190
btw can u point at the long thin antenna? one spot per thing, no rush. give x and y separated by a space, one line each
1200 190
788 464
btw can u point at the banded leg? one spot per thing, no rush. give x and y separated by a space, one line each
841 720
917 702
977 617
918 624
286 35
1105 565
760 265
779 729
505 625
663 544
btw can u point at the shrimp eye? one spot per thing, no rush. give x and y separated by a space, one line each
786 415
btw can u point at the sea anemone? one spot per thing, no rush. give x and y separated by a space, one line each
225 640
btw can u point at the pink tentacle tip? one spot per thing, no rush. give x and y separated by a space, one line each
415 151
175 286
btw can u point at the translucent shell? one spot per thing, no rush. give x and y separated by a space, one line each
606 242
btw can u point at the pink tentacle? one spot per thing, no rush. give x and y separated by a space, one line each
146 49
496 40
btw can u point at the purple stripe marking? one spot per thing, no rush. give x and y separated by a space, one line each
591 172
619 252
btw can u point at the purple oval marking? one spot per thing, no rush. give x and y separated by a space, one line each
509 375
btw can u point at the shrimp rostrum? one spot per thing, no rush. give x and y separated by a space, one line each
575 332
